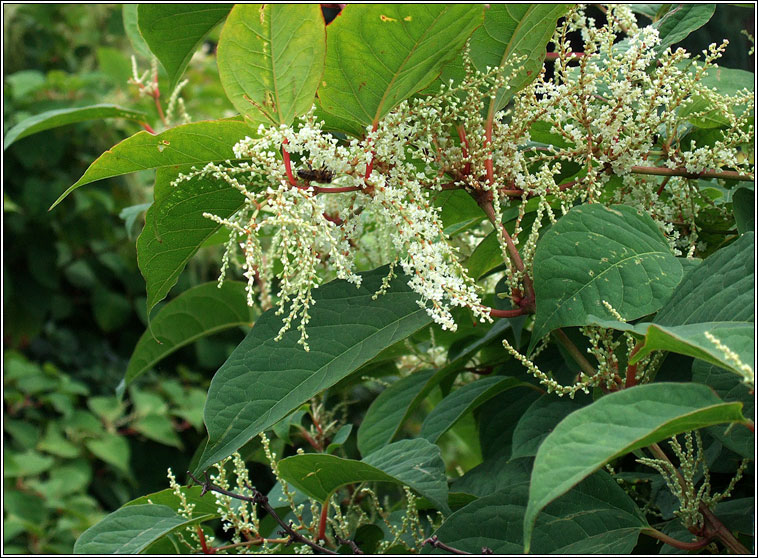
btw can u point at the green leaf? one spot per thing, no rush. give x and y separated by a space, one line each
270 60
198 312
613 426
737 438
510 31
458 403
396 49
595 517
197 143
56 118
744 210
390 409
726 81
415 463
27 464
112 449
264 380
680 21
203 505
130 529
339 438
158 427
129 14
175 229
174 31
691 340
538 421
594 254
720 289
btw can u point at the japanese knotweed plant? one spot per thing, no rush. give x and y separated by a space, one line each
482 209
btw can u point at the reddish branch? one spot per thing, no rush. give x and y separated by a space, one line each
553 56
261 500
434 542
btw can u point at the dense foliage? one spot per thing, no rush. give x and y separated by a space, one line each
498 264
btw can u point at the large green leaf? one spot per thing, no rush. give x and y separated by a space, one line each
379 55
131 529
415 463
264 380
175 229
680 21
510 31
174 31
270 60
204 505
737 438
203 310
390 409
56 118
458 403
614 425
721 289
594 254
196 143
691 340
595 517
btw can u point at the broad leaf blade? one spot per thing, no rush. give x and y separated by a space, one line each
595 517
175 229
270 60
131 529
203 505
691 340
737 438
197 143
510 31
415 463
594 254
721 289
56 118
454 406
174 31
201 311
397 49
613 426
681 21
264 380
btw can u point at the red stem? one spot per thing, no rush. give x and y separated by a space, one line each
203 544
157 97
147 127
322 521
287 163
553 56
495 313
464 149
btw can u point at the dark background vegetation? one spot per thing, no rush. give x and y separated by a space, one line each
73 298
